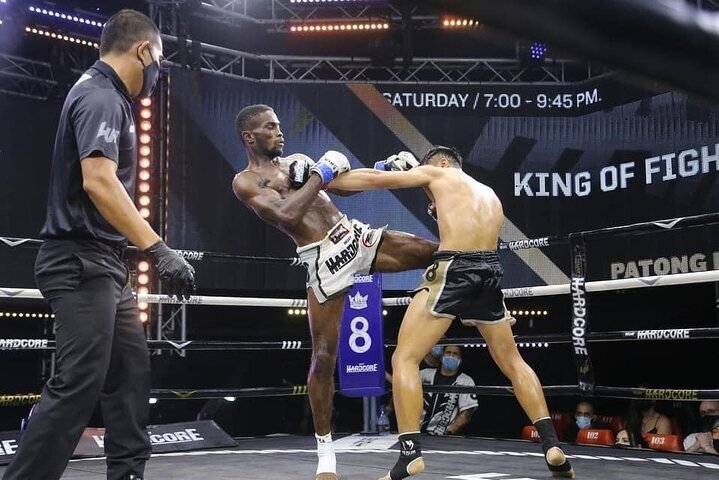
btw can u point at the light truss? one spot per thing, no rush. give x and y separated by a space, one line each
301 69
25 77
276 15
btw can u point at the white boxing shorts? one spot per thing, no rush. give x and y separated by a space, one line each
349 247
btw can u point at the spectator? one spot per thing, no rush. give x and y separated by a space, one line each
706 440
447 413
622 439
584 417
643 418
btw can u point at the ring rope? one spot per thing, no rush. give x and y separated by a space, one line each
489 390
539 242
521 292
522 340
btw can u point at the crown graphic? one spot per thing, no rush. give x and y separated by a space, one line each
358 302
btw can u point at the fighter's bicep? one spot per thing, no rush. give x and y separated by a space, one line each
264 201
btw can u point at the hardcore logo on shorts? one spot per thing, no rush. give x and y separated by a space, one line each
338 233
369 238
336 262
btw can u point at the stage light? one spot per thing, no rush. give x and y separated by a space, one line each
144 163
339 27
153 401
62 37
143 290
145 212
145 138
384 312
538 50
144 187
146 102
145 113
144 175
65 16
230 399
143 266
143 279
459 23
143 318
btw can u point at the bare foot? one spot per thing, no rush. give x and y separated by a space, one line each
326 476
555 458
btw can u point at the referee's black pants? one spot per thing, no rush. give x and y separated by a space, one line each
101 355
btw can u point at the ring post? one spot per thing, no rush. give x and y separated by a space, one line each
580 315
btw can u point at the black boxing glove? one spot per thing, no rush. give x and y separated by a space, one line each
177 273
300 171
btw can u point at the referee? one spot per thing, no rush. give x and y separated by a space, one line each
101 347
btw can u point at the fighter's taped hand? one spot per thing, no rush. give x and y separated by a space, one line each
331 164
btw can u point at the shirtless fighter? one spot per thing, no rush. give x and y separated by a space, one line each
287 194
464 282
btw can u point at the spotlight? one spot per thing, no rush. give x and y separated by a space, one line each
153 401
143 319
146 102
384 312
230 399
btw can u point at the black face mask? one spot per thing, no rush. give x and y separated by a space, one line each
150 74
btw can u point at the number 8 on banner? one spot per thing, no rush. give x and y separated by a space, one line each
359 327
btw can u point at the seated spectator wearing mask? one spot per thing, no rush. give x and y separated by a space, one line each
706 440
447 413
584 417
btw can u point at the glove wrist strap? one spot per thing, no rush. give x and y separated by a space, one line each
325 171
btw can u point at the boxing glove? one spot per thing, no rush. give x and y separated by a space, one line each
299 172
400 162
331 164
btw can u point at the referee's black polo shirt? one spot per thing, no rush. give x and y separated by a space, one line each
96 121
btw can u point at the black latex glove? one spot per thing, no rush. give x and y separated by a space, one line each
173 269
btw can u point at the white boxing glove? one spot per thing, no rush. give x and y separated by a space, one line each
400 162
331 164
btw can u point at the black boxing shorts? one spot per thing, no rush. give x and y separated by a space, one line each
466 285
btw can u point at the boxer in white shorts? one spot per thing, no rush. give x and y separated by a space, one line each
287 193
349 247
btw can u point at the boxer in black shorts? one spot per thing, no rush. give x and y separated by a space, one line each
465 285
463 282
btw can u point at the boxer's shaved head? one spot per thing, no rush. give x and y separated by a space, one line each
247 117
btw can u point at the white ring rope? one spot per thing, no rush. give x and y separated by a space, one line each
538 291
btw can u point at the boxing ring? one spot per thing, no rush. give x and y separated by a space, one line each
287 456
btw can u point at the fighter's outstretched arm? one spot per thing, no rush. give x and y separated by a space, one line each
369 179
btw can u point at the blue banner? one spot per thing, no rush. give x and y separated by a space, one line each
361 353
